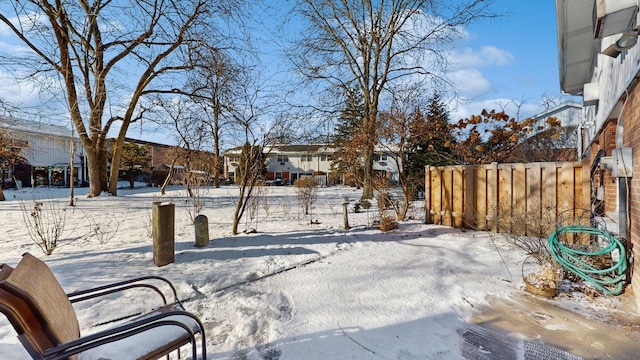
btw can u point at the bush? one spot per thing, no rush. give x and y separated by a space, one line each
387 222
306 190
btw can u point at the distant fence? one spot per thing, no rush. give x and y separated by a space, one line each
519 198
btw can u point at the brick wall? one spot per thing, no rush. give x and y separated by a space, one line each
631 123
606 141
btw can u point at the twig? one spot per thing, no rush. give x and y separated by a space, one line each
500 254
355 341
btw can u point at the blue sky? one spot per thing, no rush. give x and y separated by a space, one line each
520 61
510 59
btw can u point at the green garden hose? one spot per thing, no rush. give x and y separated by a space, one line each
609 280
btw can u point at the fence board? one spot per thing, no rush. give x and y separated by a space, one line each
458 196
492 200
549 197
469 197
517 198
519 204
533 200
436 195
505 198
481 198
447 196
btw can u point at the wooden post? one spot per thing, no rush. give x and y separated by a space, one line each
163 233
345 214
201 226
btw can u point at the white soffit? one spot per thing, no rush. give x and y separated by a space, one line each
575 43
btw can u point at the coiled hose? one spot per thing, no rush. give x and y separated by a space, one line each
609 280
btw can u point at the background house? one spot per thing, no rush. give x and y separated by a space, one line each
563 145
598 61
287 163
47 149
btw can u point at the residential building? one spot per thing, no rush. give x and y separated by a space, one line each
569 113
563 145
163 156
599 62
287 163
47 149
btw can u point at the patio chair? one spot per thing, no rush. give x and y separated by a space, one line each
44 319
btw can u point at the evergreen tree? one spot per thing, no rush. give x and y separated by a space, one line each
347 159
135 159
430 141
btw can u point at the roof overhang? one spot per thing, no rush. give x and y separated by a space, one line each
576 43
581 25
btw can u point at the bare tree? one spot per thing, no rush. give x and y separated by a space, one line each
187 128
370 44
400 126
254 123
214 87
249 174
103 49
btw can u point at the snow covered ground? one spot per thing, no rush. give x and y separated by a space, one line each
291 290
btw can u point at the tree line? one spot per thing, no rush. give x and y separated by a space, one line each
192 67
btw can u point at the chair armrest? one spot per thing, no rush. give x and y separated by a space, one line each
140 282
163 318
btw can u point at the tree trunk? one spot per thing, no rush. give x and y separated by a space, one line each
367 184
402 214
116 153
96 173
72 170
237 213
216 146
163 188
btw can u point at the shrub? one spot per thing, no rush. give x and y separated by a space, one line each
365 203
306 190
387 222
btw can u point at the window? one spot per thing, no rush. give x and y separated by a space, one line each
306 158
282 158
326 158
234 158
379 157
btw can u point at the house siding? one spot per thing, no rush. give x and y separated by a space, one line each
612 116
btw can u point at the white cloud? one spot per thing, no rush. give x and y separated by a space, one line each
469 82
16 92
486 56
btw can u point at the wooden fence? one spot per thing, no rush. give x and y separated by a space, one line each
530 198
